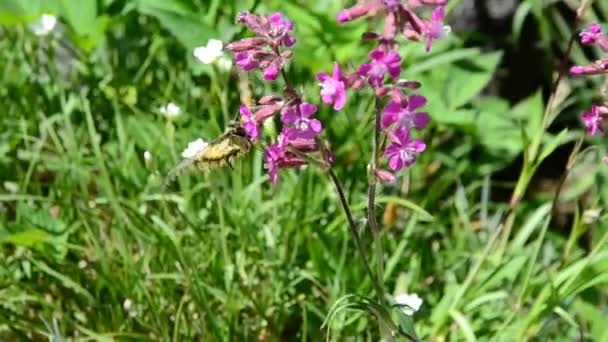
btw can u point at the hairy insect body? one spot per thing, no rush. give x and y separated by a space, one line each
218 153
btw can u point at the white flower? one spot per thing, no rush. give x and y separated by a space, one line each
44 25
208 54
194 147
411 302
127 304
170 110
147 155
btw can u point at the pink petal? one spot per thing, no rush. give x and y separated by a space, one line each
337 75
322 76
415 102
395 163
417 145
307 109
340 99
271 72
420 120
377 54
315 125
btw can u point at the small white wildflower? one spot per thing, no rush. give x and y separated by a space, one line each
170 110
194 147
127 304
82 264
147 156
208 54
411 302
45 25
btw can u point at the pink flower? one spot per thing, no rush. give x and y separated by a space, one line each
280 28
245 61
298 122
593 120
385 176
434 28
369 8
271 72
404 113
381 64
333 89
278 157
264 51
249 124
402 151
272 157
599 67
591 34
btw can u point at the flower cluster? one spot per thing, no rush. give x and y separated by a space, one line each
400 114
593 35
265 51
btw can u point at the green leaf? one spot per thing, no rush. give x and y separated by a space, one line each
466 79
80 15
530 112
189 28
519 19
19 11
549 147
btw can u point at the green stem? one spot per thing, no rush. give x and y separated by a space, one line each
371 202
353 230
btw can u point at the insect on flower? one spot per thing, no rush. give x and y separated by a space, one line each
234 143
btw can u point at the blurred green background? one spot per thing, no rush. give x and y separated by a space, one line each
93 250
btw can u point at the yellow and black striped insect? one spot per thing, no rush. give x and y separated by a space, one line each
221 152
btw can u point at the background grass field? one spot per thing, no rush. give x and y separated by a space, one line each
93 250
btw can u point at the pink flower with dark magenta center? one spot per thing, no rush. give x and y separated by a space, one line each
249 124
404 113
333 89
594 121
381 64
434 28
591 34
299 124
402 151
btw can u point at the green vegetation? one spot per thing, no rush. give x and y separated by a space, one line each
93 250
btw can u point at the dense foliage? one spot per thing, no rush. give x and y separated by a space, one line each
98 105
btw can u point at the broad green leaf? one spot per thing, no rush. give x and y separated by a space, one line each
530 112
19 11
555 142
467 78
189 28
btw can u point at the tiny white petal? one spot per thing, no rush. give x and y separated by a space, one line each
194 147
411 302
209 53
44 25
127 304
215 45
147 155
170 110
